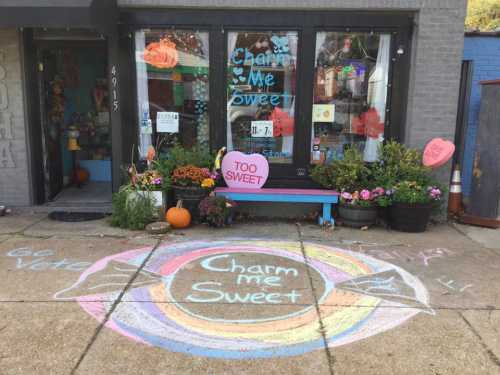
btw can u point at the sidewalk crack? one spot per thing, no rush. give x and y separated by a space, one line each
329 355
491 355
113 308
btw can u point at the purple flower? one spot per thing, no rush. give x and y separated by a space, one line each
157 181
389 192
435 193
347 196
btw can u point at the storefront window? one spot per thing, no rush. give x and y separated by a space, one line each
350 92
172 87
261 93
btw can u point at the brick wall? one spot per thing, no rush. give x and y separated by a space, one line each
485 55
14 182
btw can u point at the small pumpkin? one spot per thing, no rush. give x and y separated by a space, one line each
178 217
82 175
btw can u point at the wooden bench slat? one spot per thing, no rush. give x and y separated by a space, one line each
270 191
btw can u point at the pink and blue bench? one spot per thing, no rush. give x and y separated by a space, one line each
326 197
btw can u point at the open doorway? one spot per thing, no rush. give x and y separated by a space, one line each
75 122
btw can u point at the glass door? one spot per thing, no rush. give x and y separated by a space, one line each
261 79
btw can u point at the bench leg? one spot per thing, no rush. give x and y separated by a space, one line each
327 215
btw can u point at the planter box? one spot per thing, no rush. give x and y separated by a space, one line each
357 217
156 197
191 198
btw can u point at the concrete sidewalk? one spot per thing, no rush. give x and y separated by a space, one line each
256 298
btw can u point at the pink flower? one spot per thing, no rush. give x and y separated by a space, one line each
365 195
377 192
347 196
435 193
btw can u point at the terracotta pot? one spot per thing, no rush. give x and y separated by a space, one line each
357 217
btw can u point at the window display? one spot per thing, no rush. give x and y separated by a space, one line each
172 87
261 80
350 92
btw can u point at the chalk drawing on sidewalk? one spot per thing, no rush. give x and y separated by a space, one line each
453 284
28 259
238 299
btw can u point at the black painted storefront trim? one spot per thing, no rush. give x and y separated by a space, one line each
101 15
306 23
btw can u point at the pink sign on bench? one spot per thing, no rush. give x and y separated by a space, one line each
244 171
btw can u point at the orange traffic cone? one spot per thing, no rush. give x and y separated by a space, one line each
455 196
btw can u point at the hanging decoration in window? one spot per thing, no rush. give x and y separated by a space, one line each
162 54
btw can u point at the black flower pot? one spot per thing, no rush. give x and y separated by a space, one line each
410 217
357 217
191 197
228 220
383 214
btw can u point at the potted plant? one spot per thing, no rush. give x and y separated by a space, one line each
358 209
191 184
412 205
148 184
352 177
217 211
348 174
179 156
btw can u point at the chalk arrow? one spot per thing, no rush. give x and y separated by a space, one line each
388 286
114 277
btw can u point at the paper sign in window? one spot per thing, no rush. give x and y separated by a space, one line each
262 129
167 122
323 112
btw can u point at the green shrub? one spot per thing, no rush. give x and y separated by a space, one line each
350 173
131 213
398 163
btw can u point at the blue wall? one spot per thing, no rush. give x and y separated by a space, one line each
484 51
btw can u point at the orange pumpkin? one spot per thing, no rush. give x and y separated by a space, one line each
178 217
82 175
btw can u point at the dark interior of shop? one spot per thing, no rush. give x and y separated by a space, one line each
75 122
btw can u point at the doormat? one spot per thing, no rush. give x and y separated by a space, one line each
75 216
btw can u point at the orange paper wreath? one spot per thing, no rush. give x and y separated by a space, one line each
162 54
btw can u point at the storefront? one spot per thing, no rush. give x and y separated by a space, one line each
271 82
295 85
66 52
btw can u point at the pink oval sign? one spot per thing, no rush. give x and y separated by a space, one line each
437 152
245 171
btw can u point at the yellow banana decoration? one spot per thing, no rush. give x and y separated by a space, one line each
218 158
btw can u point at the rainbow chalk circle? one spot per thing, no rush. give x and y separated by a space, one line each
438 152
238 299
